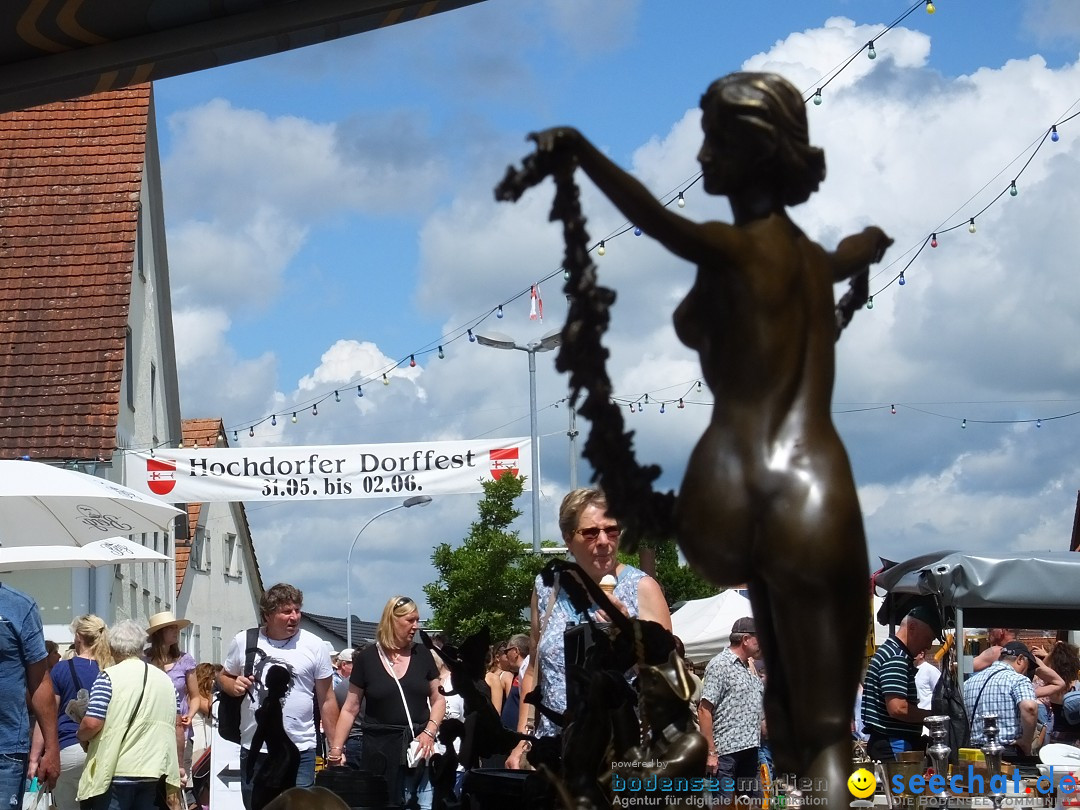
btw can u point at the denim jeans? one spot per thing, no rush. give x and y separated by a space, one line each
139 794
417 784
12 779
305 773
354 750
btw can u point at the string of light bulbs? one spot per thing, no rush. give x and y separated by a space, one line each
676 196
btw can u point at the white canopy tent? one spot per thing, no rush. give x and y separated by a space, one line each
704 625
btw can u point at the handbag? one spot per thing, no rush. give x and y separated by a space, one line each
413 752
228 706
530 708
39 800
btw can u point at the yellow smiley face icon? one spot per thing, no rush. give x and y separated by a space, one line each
862 784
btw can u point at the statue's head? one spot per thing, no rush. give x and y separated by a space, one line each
772 111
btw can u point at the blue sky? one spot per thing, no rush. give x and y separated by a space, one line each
329 212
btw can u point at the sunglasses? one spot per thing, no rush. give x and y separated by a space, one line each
593 532
402 602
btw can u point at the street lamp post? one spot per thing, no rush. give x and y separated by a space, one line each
415 500
546 343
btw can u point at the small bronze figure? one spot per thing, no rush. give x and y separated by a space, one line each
768 496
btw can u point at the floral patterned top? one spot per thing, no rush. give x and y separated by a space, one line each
550 651
736 697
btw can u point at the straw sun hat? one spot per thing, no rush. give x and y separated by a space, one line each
165 619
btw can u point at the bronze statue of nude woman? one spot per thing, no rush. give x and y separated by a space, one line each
768 497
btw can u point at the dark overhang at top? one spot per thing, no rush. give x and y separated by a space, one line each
52 50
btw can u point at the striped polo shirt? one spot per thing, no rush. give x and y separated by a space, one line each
891 674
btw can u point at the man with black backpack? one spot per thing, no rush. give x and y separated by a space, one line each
280 642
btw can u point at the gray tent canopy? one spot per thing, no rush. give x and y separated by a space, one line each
1032 590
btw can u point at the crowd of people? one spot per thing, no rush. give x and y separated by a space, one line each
122 718
104 727
1034 692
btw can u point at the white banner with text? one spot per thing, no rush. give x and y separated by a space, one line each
204 475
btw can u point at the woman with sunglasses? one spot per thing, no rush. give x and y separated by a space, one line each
398 681
593 540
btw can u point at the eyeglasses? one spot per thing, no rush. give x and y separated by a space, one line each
593 532
402 602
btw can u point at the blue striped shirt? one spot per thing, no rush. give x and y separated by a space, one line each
101 695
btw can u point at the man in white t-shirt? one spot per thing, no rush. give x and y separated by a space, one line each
305 656
926 678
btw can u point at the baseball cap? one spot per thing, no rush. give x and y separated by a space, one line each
927 615
1018 649
743 625
346 655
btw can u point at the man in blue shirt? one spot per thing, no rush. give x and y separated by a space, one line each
24 669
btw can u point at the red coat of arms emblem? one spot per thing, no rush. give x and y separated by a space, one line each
160 475
503 460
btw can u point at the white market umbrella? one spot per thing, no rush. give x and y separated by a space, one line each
45 505
114 550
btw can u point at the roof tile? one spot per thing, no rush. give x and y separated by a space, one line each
70 179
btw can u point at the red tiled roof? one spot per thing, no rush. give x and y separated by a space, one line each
206 433
70 175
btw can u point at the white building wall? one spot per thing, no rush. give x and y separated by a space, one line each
220 595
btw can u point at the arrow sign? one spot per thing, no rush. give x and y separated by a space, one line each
227 775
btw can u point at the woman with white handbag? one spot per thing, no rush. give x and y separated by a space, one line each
397 680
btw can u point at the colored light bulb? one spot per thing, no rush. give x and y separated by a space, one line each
870 52
971 225
359 391
315 409
963 424
901 281
892 409
499 312
1054 133
251 431
1012 189
385 379
337 397
681 404
817 97
661 407
637 231
1038 423
235 437
294 417
412 361
681 202
631 407
472 337
930 7
565 275
442 354
933 240
273 420
870 302
601 250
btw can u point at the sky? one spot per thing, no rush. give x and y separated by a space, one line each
329 214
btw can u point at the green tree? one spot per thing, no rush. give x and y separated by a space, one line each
487 580
679 581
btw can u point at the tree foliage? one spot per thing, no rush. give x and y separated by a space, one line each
679 581
487 580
